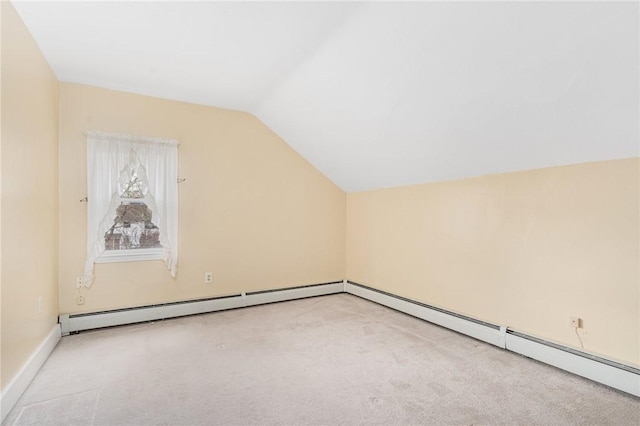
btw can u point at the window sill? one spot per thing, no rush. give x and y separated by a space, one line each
133 255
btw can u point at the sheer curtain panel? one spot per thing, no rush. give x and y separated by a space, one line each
112 159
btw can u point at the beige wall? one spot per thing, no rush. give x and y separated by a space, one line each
29 195
527 250
252 211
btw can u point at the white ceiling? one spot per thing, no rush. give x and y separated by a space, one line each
377 94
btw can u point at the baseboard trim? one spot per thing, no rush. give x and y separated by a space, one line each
601 370
16 387
82 322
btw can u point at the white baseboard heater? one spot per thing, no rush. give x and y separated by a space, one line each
616 375
80 322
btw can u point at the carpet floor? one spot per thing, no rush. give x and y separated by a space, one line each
332 360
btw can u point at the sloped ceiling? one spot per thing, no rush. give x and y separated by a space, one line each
376 94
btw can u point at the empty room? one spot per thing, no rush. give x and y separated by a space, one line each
319 213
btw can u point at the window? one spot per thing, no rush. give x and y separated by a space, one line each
132 200
133 227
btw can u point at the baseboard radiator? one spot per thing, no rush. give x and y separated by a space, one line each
81 322
616 375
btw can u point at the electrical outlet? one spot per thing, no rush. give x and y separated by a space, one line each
208 277
39 305
80 300
575 322
78 282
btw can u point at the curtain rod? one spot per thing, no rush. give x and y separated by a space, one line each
121 137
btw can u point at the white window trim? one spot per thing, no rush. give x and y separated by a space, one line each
131 255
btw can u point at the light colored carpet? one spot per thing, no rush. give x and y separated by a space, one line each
321 361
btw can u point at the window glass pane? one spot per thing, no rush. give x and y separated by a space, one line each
135 188
132 228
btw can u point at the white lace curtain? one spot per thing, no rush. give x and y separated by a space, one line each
111 158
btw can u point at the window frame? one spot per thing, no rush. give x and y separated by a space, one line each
133 254
130 255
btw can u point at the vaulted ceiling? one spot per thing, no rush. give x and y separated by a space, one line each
376 94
